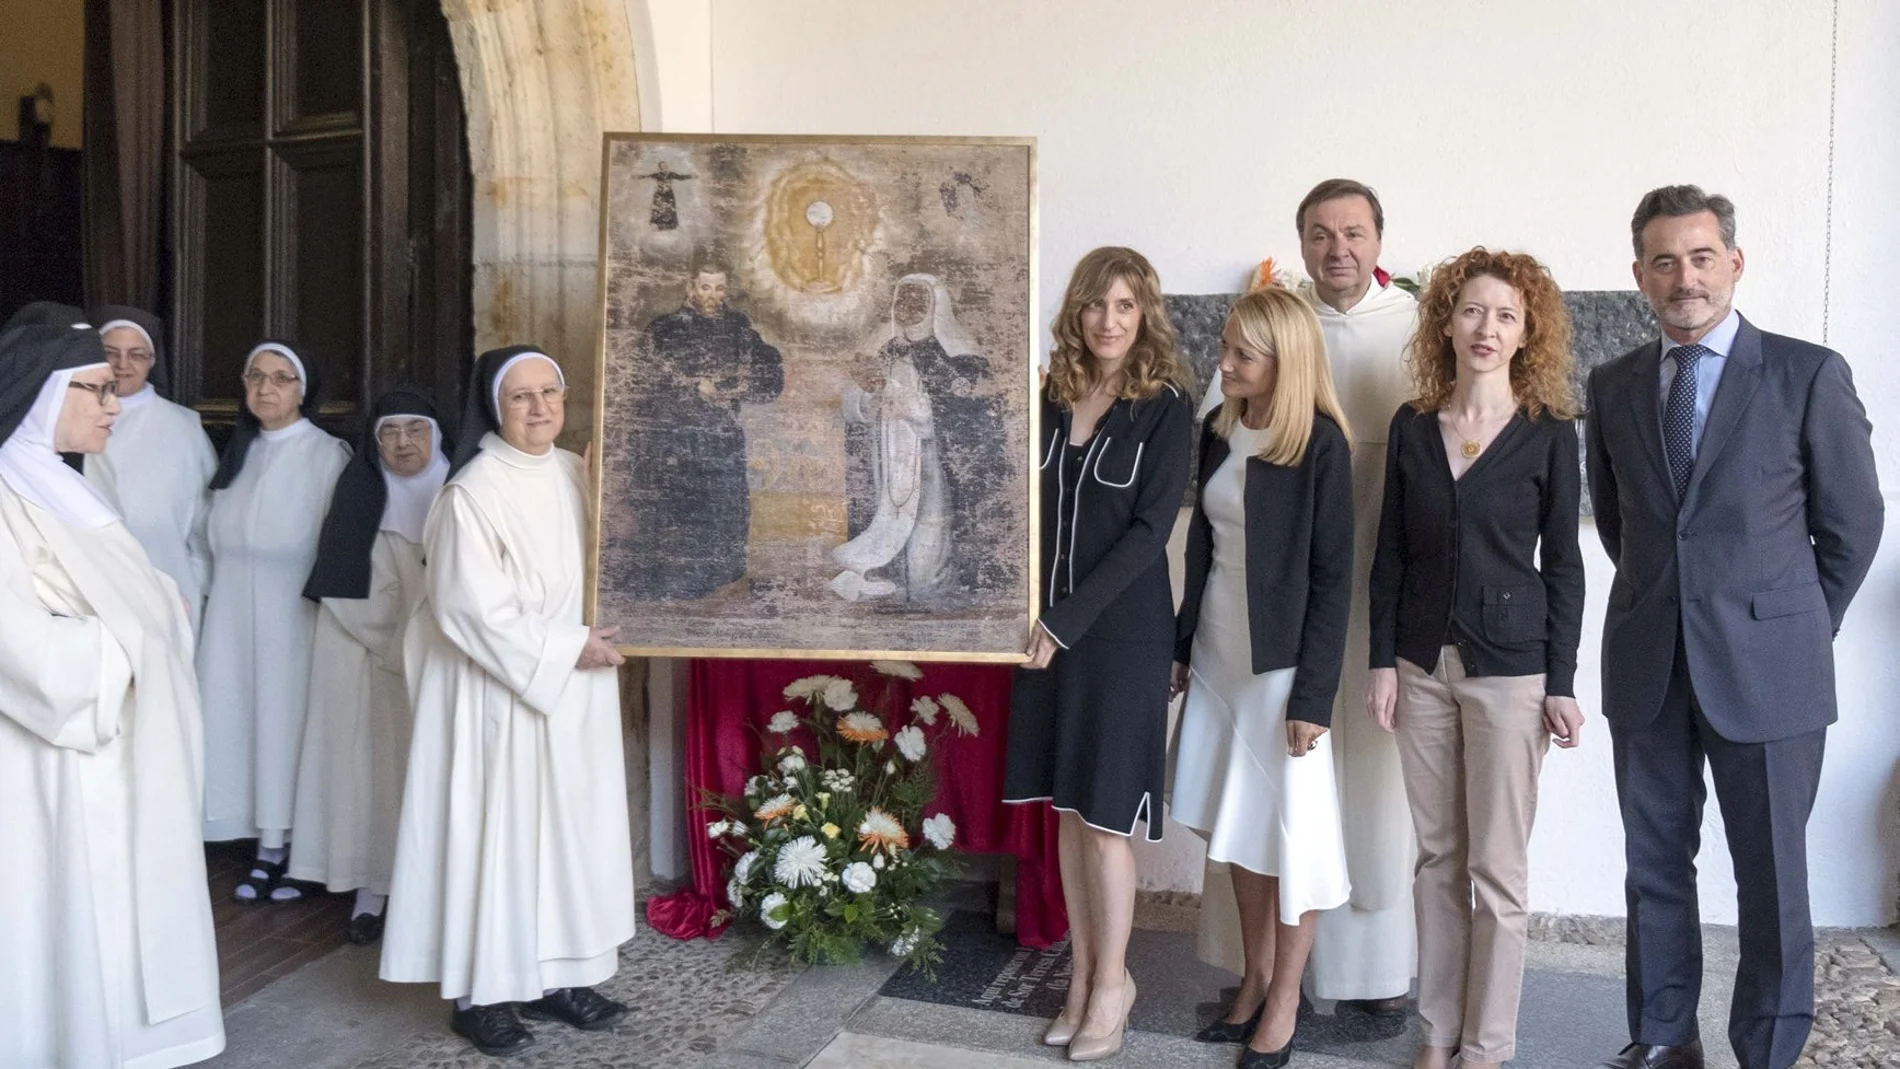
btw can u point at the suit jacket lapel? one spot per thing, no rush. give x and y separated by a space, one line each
1646 407
1740 375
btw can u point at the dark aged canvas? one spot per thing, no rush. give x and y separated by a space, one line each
815 396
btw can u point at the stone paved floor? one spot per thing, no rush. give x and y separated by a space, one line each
706 1005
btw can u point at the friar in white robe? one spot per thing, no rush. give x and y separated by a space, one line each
1365 951
269 496
157 468
514 872
367 581
107 957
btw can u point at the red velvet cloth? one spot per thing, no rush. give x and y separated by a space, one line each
727 706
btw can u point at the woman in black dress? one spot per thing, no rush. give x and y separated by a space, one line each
1089 711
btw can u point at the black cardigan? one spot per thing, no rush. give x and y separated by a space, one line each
1494 552
1105 538
1299 564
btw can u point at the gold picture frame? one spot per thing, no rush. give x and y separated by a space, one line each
815 397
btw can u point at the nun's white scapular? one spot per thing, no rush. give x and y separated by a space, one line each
109 958
154 471
254 648
514 869
356 736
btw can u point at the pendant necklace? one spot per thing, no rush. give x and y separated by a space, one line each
1470 448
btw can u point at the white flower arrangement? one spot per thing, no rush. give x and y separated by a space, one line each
831 851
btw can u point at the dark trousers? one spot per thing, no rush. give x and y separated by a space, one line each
1766 791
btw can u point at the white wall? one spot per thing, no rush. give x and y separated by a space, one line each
1192 134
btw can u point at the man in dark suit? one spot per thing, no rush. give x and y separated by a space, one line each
1733 481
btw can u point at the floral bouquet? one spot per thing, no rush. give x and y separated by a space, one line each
832 850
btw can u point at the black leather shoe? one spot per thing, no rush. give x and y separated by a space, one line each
582 1007
1397 1006
365 928
1229 1031
1646 1056
494 1030
1271 1059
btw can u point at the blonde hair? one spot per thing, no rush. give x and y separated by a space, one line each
1153 361
1277 323
1540 371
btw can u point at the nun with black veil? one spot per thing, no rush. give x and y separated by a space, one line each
157 466
514 866
366 582
110 958
269 497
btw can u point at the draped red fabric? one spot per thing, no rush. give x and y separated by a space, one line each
727 705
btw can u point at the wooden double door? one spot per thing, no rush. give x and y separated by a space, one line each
320 195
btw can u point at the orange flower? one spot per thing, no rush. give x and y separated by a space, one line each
775 808
881 831
862 727
1263 275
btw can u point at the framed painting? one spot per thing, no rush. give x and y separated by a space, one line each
815 397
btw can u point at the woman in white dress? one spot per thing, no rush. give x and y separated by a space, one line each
1260 639
157 466
268 500
367 580
109 957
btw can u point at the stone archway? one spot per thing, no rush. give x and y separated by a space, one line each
541 82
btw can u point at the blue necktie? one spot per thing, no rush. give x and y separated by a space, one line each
1679 416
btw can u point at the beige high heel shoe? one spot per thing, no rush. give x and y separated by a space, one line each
1093 1048
1061 1030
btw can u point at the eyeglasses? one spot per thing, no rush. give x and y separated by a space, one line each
280 379
412 431
102 391
137 356
521 399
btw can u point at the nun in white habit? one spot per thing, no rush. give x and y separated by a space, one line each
367 581
514 865
109 958
157 466
269 496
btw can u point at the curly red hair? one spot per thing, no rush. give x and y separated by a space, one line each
1540 371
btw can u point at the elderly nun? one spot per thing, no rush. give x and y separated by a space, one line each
514 867
269 496
109 958
157 466
367 581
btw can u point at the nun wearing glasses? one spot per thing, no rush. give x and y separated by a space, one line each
268 501
367 580
514 866
156 467
110 959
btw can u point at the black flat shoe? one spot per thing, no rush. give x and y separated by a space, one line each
364 929
582 1007
494 1030
1270 1059
1231 1031
1655 1056
1397 1006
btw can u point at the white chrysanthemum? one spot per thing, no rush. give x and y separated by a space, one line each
801 863
910 743
904 945
783 722
960 714
862 728
735 894
941 831
900 669
773 909
859 877
790 763
810 688
840 695
925 709
742 868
